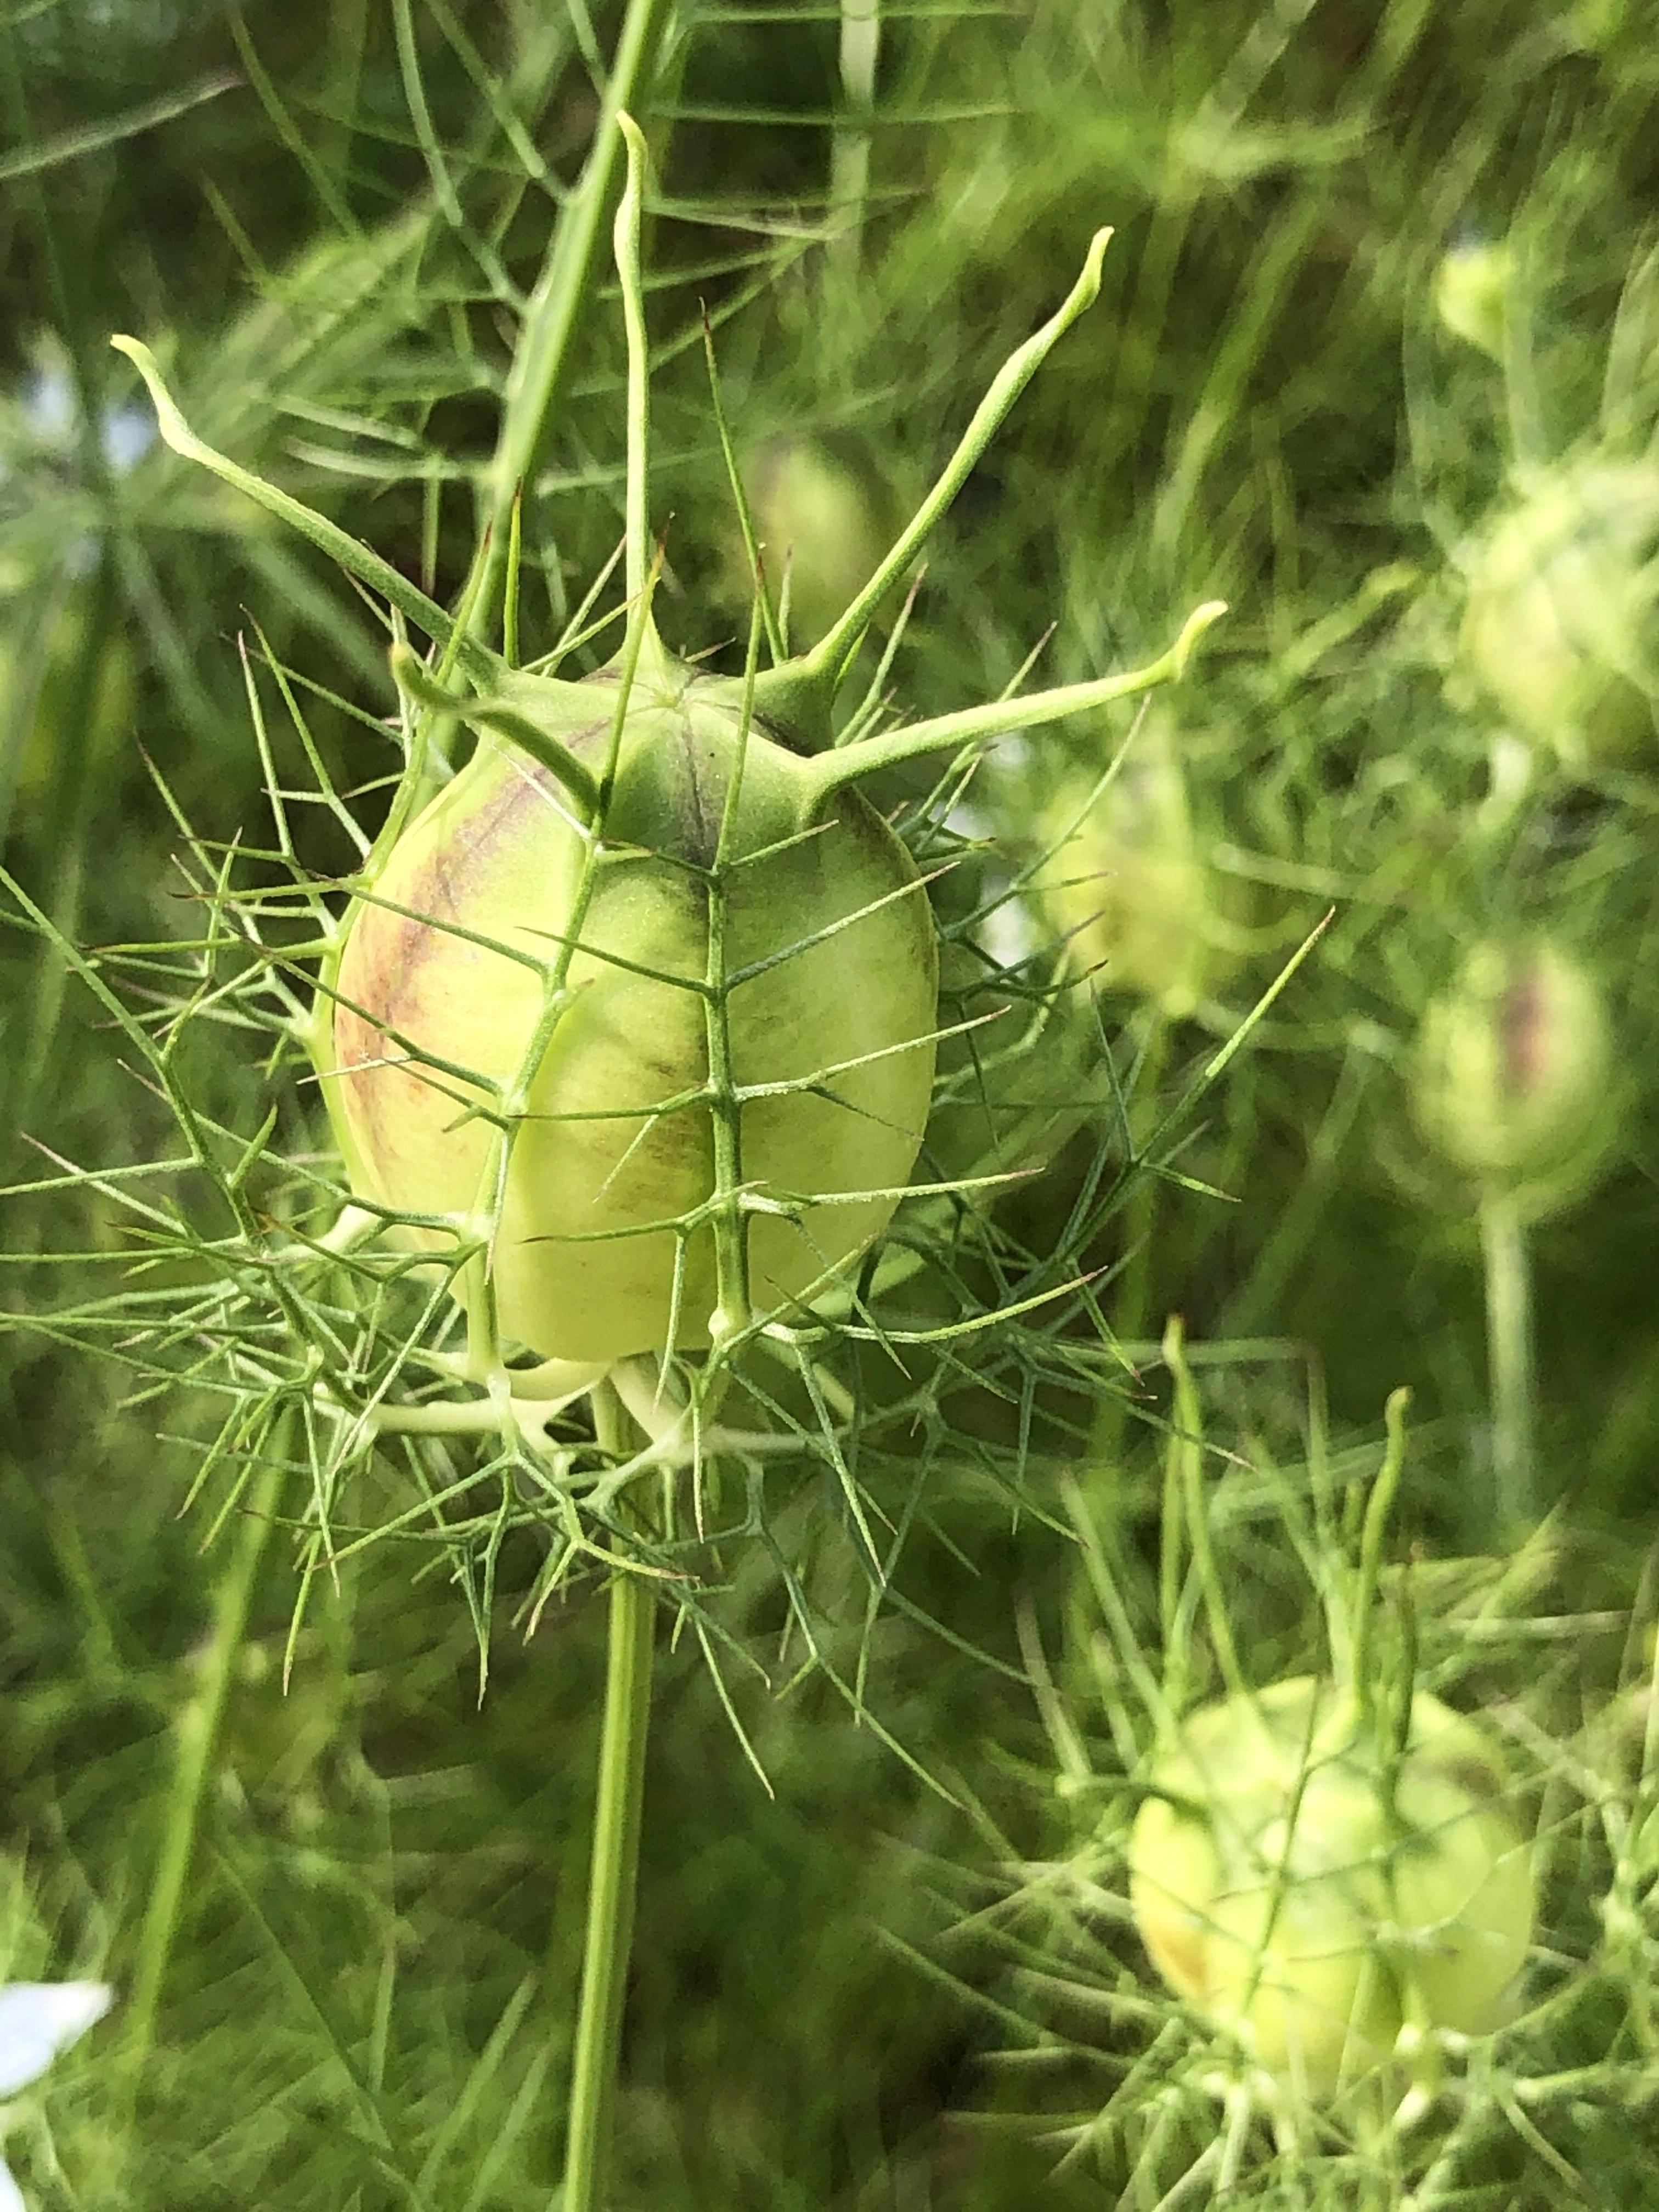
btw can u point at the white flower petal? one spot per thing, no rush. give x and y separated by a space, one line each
11 2197
39 2019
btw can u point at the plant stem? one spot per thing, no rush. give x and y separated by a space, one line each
541 361
1184 1478
71 829
850 157
615 1868
197 1734
1362 1642
1509 1362
1131 1302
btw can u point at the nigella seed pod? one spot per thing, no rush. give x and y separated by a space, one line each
633 1026
814 523
1512 1079
522 1033
1561 624
1129 884
1315 1889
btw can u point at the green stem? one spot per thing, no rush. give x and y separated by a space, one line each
1378 1508
615 1869
541 360
1185 1464
197 1734
849 158
69 834
1509 1360
1132 1297
1133 1304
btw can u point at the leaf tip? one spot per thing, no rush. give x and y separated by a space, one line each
1192 632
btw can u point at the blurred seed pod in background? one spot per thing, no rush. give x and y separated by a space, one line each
1129 883
812 516
1513 1076
1561 623
1306 1883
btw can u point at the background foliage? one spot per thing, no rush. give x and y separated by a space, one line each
324 219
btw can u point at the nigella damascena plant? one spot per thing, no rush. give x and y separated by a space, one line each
628 1025
631 1022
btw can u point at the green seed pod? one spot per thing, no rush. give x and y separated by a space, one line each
1128 883
1512 1081
1306 1889
489 971
1561 624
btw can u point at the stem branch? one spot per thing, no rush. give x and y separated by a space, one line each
1509 1359
1378 1507
541 360
614 1877
197 1734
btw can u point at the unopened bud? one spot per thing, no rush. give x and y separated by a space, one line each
1130 885
812 517
1513 1073
1562 620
